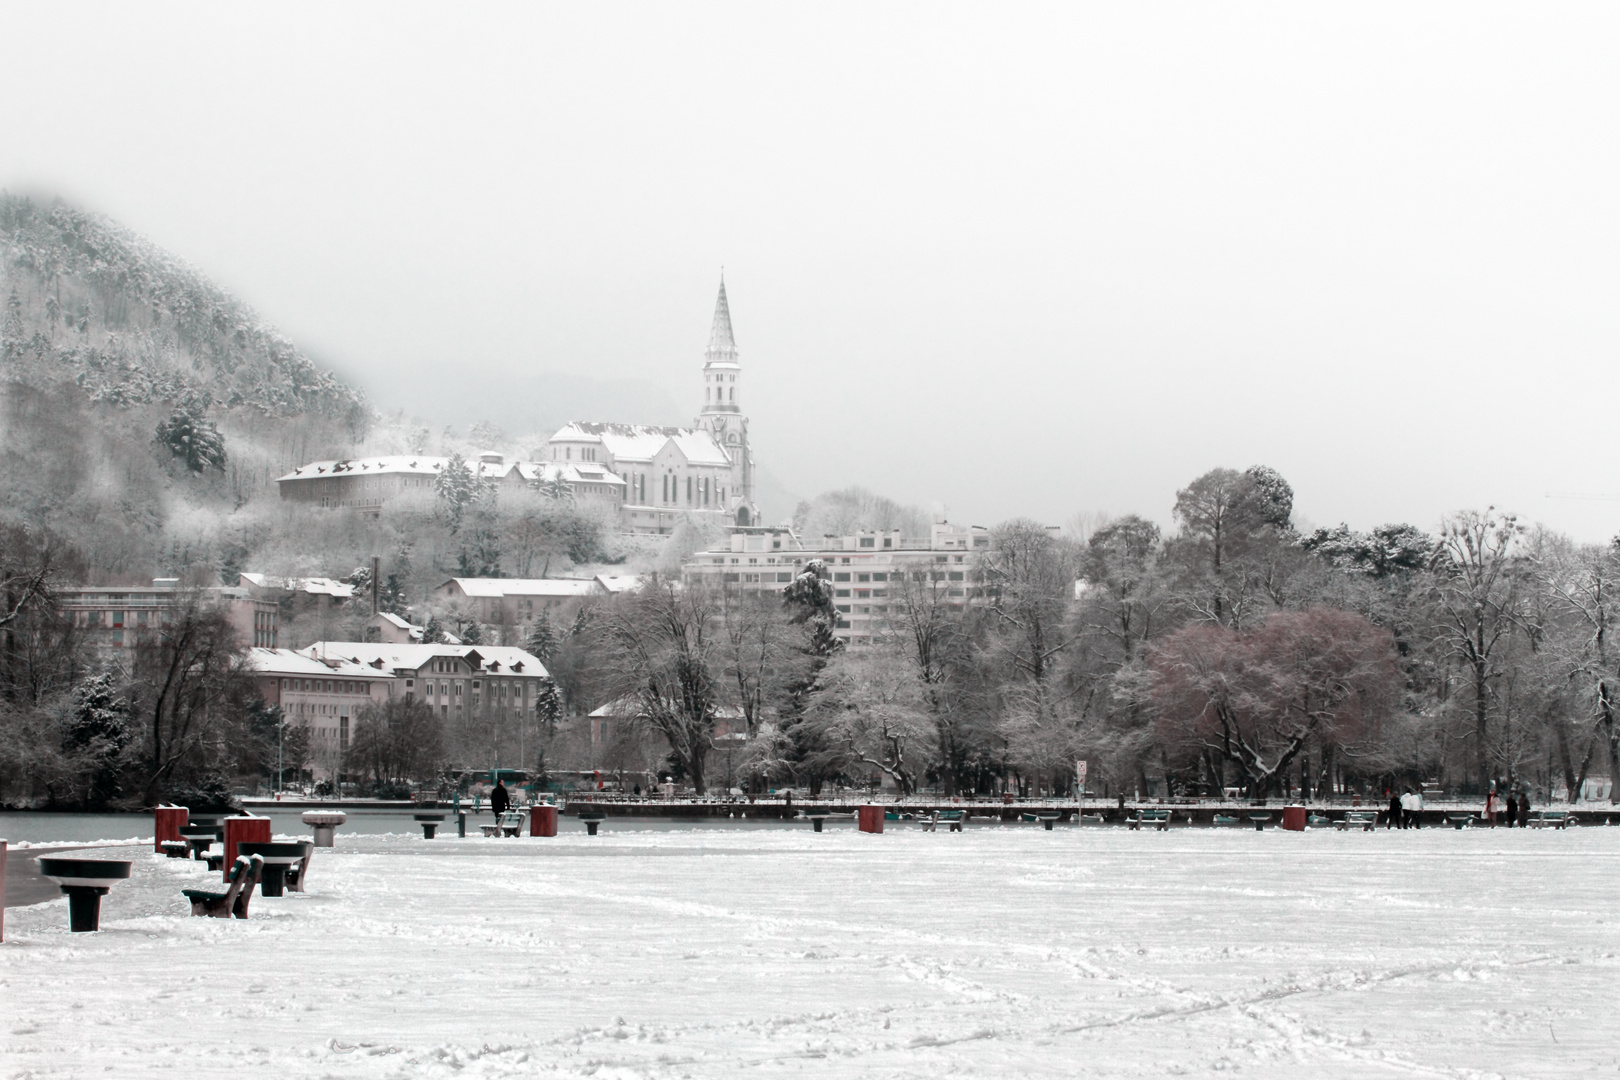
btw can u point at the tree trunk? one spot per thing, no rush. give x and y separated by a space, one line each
1481 730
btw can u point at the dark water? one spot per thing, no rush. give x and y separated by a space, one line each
41 828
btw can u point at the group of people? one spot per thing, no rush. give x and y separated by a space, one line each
1514 810
1406 809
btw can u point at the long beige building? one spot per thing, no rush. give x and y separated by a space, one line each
868 568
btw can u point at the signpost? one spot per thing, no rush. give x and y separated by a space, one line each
1080 778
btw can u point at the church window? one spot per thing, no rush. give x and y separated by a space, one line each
570 453
666 487
733 393
688 491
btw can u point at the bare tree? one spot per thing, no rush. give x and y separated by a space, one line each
660 644
873 710
1476 588
1258 697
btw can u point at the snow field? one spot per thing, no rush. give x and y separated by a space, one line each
713 953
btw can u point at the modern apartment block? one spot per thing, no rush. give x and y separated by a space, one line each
868 569
123 616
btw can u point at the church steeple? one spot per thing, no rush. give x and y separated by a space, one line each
722 346
722 415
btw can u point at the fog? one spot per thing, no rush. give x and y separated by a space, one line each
1027 262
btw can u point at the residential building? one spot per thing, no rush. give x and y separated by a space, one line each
462 683
307 593
322 693
367 484
513 601
868 568
707 469
125 615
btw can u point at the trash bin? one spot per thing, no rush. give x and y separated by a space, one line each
1294 818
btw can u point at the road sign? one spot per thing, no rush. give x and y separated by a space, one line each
1080 772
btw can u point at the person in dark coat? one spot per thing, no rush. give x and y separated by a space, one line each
499 800
1396 814
1510 810
1524 809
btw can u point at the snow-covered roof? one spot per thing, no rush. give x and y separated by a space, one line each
315 586
396 464
403 624
642 442
292 662
496 659
701 449
620 583
498 587
571 472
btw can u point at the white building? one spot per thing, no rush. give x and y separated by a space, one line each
367 484
322 694
671 472
868 569
512 601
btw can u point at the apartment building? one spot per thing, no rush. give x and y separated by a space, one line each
868 568
461 682
322 693
123 616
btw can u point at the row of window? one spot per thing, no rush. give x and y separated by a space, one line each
326 686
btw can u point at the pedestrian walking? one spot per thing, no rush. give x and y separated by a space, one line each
1396 813
499 800
1490 807
1524 809
1414 816
1510 811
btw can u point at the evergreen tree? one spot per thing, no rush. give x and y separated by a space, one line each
98 729
542 642
193 438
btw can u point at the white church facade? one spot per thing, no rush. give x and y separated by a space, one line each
672 472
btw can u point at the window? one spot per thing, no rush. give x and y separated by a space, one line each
843 608
956 575
784 577
867 541
863 577
840 592
880 576
840 577
879 594
863 594
888 541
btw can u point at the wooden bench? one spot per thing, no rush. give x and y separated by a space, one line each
1550 819
1365 819
1460 820
176 849
234 900
951 818
1159 819
1227 821
508 824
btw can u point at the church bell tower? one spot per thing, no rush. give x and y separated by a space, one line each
722 415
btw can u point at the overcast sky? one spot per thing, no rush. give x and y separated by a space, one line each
1028 262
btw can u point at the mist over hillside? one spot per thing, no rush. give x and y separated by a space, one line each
107 338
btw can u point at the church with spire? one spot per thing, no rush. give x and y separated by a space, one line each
669 473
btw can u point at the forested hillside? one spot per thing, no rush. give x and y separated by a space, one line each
143 405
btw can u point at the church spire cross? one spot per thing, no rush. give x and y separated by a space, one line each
722 346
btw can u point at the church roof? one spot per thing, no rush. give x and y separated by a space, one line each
722 344
640 442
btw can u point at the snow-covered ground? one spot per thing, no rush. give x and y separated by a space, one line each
711 952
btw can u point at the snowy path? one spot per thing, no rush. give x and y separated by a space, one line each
705 953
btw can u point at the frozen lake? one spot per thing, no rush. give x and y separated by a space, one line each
710 952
